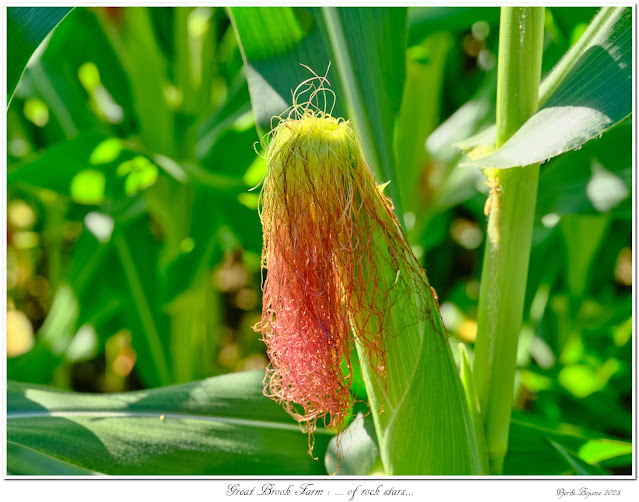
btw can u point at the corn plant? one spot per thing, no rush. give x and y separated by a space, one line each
373 355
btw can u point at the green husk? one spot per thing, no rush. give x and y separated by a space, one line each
421 416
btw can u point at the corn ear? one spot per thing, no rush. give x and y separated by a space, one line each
340 273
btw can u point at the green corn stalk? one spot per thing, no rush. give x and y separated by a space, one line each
510 222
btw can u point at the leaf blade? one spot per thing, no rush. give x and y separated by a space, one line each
27 27
222 425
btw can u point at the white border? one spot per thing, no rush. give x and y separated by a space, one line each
174 488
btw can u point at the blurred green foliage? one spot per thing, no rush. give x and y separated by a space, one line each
134 241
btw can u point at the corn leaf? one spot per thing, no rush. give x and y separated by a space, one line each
472 400
586 94
27 27
222 425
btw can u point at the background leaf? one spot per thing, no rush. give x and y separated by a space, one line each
426 20
590 180
536 447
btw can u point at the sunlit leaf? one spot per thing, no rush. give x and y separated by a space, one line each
87 187
222 425
605 450
586 94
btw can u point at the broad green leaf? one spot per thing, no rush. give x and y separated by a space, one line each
222 425
586 94
366 47
566 19
563 27
27 27
275 42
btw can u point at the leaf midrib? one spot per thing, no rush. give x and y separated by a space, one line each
16 415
